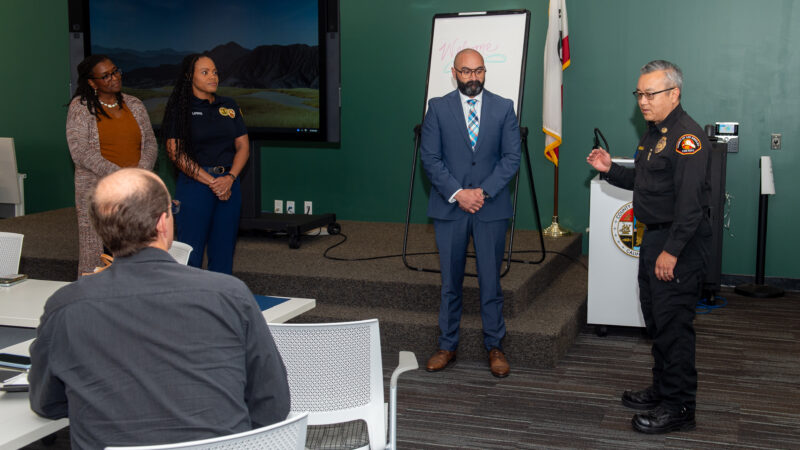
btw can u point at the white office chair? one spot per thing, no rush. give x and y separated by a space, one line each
335 373
287 435
12 184
10 252
180 252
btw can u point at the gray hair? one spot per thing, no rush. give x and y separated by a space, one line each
672 71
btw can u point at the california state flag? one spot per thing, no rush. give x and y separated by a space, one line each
556 59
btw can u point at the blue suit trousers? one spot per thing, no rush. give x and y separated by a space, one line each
452 239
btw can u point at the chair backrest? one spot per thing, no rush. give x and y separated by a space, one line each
287 435
10 252
335 373
180 252
9 186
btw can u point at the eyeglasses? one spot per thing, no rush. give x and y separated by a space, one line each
176 207
466 72
107 77
649 95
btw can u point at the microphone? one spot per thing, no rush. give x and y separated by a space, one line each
597 135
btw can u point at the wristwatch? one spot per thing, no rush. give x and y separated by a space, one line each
231 175
485 195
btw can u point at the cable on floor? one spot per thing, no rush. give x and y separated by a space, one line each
469 254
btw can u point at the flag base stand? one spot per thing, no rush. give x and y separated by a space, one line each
555 230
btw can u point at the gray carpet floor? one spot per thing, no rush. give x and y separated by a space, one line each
748 396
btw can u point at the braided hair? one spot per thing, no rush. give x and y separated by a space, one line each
177 117
86 92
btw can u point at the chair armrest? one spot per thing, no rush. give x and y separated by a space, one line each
407 361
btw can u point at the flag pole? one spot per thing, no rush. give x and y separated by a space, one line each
555 230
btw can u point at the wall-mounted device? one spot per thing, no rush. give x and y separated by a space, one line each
728 132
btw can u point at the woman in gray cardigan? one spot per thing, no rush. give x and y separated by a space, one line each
106 130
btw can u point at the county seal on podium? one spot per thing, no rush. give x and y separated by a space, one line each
627 231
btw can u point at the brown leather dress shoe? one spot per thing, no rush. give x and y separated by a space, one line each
440 360
498 363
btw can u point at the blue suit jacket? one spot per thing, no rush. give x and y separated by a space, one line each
451 164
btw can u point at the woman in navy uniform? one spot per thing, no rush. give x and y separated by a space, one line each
207 141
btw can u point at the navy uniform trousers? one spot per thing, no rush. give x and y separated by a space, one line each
205 220
669 311
452 239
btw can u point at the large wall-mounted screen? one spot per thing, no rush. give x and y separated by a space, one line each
272 56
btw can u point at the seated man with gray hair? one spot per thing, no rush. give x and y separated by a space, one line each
150 351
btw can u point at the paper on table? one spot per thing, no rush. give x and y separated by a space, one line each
18 380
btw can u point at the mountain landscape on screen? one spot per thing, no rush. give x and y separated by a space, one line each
274 85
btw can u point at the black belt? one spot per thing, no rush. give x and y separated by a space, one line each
658 226
216 170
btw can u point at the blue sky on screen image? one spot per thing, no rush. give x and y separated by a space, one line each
200 25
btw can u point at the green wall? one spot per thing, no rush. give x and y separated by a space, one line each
35 84
740 63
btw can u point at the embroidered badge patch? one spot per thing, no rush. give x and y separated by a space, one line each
661 144
227 112
688 144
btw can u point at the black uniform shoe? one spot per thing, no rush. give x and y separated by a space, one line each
663 420
645 399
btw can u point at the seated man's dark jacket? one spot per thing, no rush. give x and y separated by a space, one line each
150 351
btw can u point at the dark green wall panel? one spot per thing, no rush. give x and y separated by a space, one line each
740 61
35 82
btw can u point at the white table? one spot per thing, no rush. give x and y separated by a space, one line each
19 425
288 310
22 304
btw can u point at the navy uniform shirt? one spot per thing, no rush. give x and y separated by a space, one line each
215 127
670 178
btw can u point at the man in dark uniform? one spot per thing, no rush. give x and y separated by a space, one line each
671 196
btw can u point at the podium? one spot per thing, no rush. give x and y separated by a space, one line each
613 258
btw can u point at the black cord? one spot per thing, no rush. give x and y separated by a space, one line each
597 133
469 255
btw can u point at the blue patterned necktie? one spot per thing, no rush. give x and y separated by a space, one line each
472 123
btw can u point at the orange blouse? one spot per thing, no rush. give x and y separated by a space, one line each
120 139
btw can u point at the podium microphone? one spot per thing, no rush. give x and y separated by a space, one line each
597 133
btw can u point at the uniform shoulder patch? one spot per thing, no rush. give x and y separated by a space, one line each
688 144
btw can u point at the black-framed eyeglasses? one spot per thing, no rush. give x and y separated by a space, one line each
176 207
107 77
649 95
466 72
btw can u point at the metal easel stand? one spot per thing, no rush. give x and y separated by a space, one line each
524 139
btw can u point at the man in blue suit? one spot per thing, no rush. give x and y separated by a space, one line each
470 151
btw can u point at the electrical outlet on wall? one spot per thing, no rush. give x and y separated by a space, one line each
308 207
278 206
289 206
775 141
